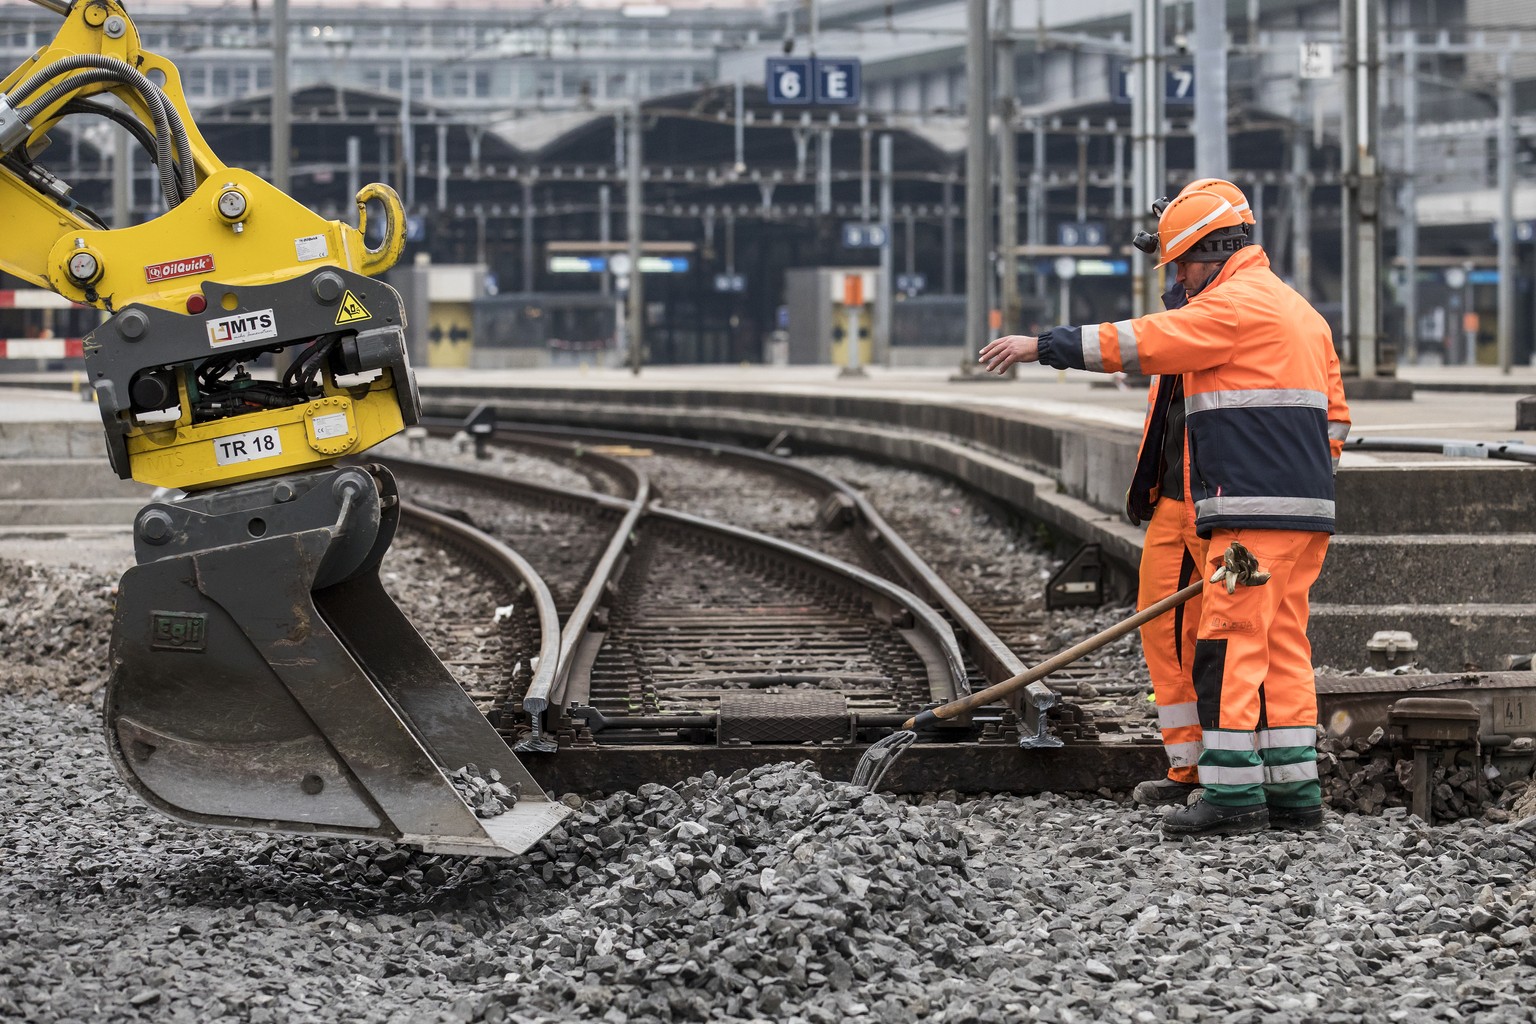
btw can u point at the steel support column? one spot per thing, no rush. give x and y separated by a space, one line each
978 214
1146 136
1211 143
1361 191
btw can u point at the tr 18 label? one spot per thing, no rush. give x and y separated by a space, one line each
247 447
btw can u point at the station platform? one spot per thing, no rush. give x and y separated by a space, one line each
1435 543
1449 403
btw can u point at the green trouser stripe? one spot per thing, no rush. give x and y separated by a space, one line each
1230 769
1304 792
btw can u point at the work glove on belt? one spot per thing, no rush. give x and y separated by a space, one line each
1238 565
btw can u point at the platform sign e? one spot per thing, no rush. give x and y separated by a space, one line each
819 81
837 80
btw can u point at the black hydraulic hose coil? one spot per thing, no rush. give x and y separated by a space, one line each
175 182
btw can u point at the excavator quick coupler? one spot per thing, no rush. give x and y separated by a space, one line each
262 678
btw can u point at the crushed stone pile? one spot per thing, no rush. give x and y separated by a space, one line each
771 894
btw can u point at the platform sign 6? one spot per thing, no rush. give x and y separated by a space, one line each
821 81
788 80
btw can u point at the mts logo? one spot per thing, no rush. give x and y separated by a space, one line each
253 326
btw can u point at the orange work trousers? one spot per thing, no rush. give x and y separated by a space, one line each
1253 674
1171 557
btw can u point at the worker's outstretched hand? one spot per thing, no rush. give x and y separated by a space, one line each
1004 352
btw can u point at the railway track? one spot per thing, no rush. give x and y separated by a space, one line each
687 638
802 629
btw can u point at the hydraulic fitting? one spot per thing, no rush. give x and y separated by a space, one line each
13 130
233 206
84 265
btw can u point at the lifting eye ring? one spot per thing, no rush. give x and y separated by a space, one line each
392 243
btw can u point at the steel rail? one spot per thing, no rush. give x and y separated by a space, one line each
931 626
836 571
996 660
555 688
503 561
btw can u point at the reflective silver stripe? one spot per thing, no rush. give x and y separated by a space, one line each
1240 207
1216 775
1183 755
1294 736
1232 505
1177 716
1267 398
1304 771
1093 359
1226 739
1335 465
1197 227
1338 431
1130 359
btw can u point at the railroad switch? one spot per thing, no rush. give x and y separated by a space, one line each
1432 727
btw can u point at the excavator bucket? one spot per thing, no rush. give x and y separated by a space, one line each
263 679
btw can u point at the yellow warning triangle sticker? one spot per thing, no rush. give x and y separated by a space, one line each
351 310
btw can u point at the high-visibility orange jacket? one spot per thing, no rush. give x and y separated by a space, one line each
1261 386
1165 416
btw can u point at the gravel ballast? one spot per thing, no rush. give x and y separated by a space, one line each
772 895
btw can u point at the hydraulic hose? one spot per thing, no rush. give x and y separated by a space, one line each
133 125
175 182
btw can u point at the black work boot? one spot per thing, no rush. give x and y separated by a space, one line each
1297 819
1163 792
1203 818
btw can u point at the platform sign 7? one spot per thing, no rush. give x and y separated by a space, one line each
1180 85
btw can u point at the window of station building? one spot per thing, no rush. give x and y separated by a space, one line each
482 84
194 81
524 82
220 87
263 78
618 83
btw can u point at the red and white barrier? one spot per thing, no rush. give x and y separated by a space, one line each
41 348
35 298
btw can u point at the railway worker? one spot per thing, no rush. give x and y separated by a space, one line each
1172 551
1257 362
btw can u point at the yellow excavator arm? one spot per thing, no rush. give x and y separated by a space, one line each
261 677
232 269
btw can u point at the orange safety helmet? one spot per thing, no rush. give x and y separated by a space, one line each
1228 191
1199 226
